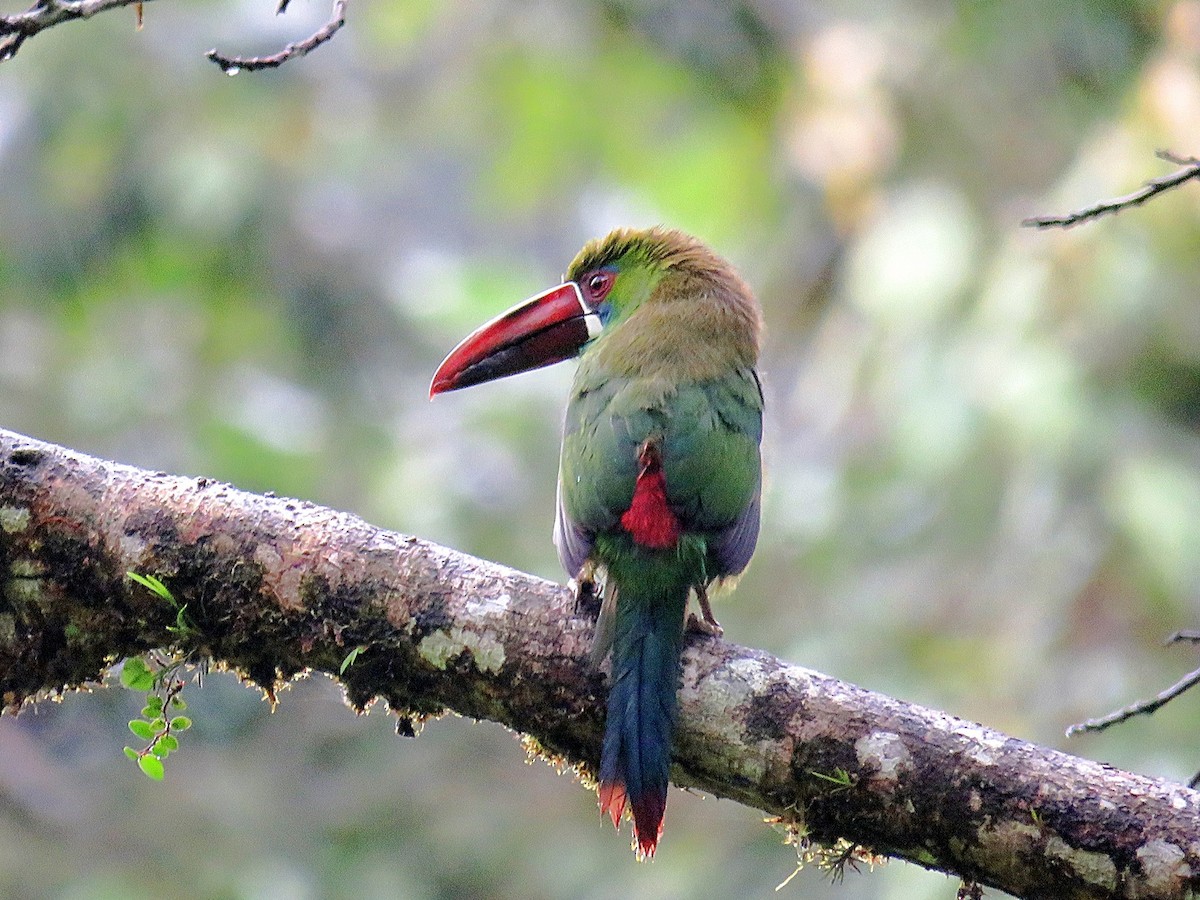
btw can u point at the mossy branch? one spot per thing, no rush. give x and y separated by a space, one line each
274 587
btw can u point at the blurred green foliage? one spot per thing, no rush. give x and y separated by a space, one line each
983 488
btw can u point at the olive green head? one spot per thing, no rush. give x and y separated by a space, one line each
668 301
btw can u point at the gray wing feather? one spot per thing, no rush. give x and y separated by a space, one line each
573 542
731 547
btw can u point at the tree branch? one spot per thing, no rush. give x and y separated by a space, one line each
276 586
15 29
1152 705
231 65
1140 707
19 27
1189 169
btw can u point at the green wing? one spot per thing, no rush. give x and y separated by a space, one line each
709 432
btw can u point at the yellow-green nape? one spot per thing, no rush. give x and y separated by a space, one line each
658 246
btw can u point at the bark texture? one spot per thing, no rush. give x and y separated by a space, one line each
276 586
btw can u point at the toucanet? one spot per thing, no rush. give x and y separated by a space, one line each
659 479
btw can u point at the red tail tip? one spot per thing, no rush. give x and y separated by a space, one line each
647 844
647 816
648 812
612 801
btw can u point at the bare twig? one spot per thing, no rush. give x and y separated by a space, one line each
1189 169
1140 708
19 27
1146 707
231 65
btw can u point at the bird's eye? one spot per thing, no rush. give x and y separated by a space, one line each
597 285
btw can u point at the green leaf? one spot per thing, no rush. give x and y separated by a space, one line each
168 742
131 753
136 675
153 584
351 657
839 777
151 767
178 703
142 729
181 723
155 703
182 626
159 724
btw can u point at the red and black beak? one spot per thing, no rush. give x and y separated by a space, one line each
543 330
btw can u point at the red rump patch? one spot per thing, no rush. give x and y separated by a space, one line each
649 519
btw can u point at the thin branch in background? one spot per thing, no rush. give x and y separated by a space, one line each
19 27
231 65
1142 707
1150 706
1189 169
1146 707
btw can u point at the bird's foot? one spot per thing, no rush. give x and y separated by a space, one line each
706 622
711 627
587 596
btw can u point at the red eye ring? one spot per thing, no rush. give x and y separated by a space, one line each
597 285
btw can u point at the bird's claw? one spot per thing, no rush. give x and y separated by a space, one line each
711 627
587 597
706 622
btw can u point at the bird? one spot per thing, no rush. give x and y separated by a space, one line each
659 485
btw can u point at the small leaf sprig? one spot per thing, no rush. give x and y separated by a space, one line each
160 722
161 719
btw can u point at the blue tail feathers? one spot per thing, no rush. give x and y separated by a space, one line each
636 756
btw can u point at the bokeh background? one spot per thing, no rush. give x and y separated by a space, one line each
983 457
